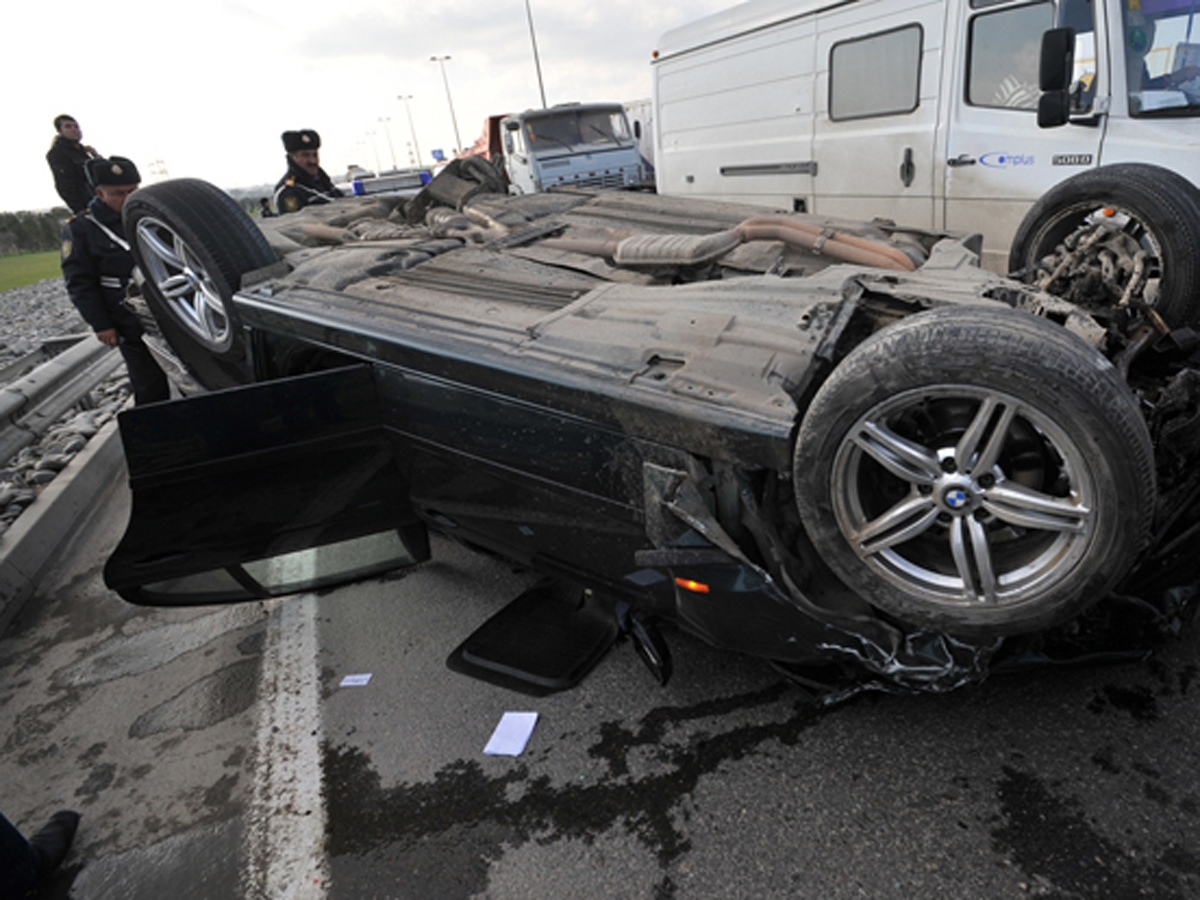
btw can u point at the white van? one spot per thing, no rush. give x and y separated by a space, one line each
641 120
927 111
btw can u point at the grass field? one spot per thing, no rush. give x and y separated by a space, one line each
28 268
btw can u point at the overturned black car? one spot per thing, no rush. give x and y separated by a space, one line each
841 447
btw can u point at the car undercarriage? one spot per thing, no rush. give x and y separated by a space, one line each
839 446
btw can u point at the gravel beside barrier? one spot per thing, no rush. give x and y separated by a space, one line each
51 486
33 314
30 316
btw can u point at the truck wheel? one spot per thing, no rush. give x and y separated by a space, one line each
980 472
193 243
1153 210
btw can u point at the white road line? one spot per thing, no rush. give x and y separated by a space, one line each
286 825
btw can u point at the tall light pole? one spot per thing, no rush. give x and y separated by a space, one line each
413 131
387 129
441 61
537 63
375 149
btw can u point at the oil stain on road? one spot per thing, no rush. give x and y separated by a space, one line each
444 835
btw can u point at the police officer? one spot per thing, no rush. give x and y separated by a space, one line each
67 156
97 265
305 182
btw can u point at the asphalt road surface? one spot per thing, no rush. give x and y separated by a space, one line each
215 753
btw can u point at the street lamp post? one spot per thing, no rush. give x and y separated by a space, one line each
387 129
537 63
441 61
412 130
375 149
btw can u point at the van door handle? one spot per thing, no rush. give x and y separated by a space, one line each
961 160
908 171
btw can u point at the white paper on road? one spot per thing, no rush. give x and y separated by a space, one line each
355 680
512 734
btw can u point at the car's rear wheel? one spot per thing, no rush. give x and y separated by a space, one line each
1092 228
980 472
193 243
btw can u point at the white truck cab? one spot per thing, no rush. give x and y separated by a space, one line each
584 144
922 111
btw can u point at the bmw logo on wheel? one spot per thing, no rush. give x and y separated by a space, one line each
957 498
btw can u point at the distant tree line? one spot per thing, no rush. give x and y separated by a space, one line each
31 232
35 232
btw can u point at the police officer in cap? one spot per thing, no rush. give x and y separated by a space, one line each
305 182
97 266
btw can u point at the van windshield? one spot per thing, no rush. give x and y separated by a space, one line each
1162 57
573 129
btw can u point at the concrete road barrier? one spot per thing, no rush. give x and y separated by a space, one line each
29 549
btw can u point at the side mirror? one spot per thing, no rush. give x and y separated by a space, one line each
1055 70
1057 64
1054 109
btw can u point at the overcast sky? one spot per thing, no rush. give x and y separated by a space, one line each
205 89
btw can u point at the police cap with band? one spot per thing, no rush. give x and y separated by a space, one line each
305 139
111 171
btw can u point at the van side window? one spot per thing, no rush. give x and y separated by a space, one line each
877 75
1079 15
1003 57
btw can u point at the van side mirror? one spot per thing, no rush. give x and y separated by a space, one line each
1057 64
1054 109
1055 70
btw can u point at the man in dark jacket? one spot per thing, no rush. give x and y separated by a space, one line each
97 265
305 182
66 157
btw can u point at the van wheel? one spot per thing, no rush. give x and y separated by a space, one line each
1092 229
193 243
980 475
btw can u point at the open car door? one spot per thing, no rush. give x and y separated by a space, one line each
262 490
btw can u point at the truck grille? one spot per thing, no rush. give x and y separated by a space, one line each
613 180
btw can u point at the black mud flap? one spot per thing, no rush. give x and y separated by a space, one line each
262 490
543 642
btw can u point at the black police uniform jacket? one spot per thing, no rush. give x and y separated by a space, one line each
297 189
97 265
66 158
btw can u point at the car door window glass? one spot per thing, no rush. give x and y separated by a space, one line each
1004 49
1079 16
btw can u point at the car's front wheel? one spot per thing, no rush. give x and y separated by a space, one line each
1111 235
976 471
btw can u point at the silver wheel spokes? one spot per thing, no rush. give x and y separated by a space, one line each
964 530
184 284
